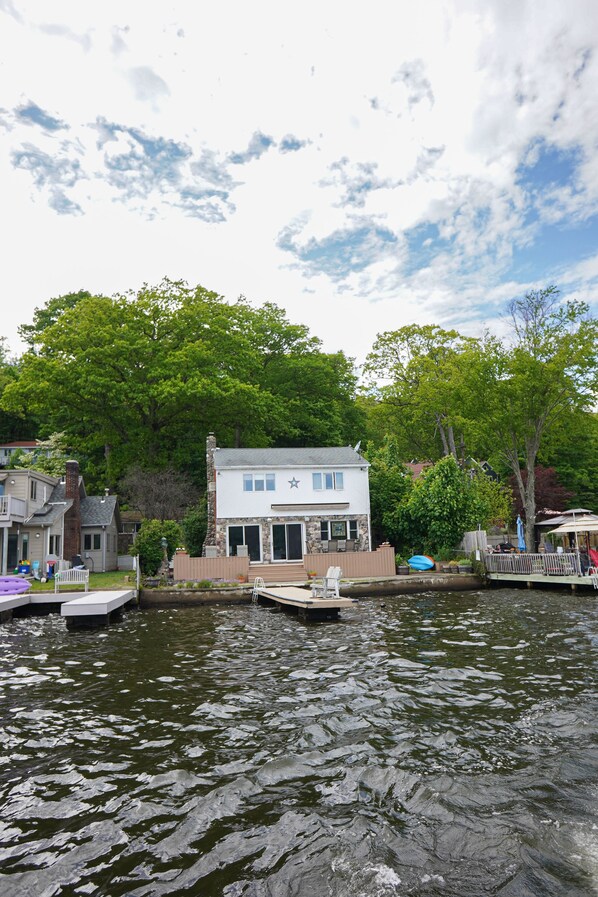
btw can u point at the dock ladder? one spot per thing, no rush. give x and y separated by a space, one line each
258 583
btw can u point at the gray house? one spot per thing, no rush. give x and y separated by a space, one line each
46 519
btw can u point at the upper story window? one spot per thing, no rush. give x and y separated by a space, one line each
33 490
259 482
327 480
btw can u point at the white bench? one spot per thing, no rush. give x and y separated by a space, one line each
71 577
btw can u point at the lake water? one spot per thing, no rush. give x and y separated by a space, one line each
434 744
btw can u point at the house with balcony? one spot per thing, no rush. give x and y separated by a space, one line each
278 504
51 520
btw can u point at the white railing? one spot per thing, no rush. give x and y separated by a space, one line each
551 564
11 507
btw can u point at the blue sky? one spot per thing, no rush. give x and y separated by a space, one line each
419 164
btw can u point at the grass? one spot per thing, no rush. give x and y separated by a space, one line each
114 579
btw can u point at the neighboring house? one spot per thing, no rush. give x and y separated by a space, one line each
44 519
283 503
7 449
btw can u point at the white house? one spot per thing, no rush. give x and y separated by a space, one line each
282 503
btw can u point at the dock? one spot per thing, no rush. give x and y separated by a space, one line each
94 608
301 601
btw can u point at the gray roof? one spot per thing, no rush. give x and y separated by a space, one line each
49 513
97 510
336 456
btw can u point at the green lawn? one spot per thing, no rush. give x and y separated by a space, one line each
115 579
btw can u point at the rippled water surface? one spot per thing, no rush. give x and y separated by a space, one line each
437 744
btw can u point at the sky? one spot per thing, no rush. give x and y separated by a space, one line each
362 166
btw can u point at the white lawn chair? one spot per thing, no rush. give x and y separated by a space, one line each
327 586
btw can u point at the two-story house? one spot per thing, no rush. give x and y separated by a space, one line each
44 519
282 503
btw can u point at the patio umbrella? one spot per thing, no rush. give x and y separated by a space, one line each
520 534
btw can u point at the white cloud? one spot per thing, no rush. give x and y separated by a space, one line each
198 137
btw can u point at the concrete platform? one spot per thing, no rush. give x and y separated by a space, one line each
94 608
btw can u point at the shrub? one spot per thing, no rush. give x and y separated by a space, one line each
148 544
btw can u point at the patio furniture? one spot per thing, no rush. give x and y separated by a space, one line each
327 586
342 545
351 545
333 545
211 551
324 544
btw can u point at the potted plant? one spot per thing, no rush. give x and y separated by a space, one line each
401 565
453 566
311 574
464 565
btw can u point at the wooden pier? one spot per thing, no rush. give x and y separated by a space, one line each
302 602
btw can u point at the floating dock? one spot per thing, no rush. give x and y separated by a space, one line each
301 601
94 608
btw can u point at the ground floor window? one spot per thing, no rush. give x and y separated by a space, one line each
245 535
92 541
338 529
55 545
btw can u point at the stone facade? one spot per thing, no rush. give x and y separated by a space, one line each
313 541
211 538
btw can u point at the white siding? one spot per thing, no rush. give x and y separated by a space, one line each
232 501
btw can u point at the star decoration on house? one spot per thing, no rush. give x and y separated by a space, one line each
294 484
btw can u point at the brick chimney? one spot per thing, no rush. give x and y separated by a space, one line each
72 518
211 490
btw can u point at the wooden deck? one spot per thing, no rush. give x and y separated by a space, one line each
573 582
303 603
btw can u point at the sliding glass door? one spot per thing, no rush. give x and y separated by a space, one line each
287 542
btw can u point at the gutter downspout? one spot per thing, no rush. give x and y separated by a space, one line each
103 549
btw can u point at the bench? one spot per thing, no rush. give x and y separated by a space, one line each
71 577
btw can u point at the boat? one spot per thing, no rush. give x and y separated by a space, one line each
421 562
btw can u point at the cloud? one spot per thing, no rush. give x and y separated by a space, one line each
412 76
56 30
32 114
340 253
290 144
258 145
147 86
51 172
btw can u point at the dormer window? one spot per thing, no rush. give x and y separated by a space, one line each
33 490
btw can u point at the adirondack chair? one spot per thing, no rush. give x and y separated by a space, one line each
327 586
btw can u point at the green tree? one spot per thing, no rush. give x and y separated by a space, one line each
416 374
526 390
194 526
48 315
140 379
390 486
148 543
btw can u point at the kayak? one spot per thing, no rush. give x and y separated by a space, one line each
421 562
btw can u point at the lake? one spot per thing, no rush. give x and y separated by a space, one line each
431 744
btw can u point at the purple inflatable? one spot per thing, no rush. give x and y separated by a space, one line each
13 585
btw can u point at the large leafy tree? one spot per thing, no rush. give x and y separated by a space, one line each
539 382
390 485
139 379
418 372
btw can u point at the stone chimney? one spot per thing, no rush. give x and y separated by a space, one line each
72 518
211 490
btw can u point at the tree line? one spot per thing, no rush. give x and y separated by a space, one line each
133 384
